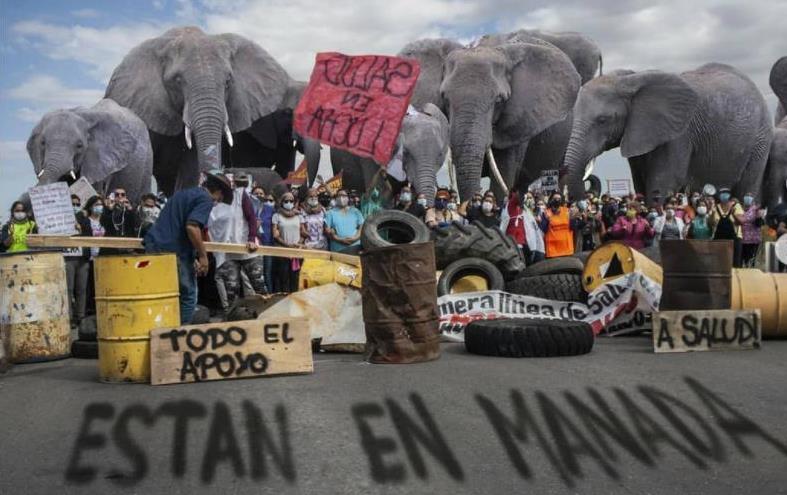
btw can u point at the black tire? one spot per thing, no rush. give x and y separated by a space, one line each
87 329
470 266
84 349
551 266
593 184
458 241
390 227
556 287
201 315
528 337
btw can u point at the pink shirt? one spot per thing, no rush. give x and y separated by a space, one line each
632 233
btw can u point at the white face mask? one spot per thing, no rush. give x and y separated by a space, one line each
270 203
669 213
422 202
486 206
287 205
343 201
406 197
312 201
20 215
702 210
452 206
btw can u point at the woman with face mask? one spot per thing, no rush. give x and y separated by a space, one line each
669 225
700 227
487 214
441 215
727 218
558 225
410 204
590 227
752 229
287 232
15 232
313 222
631 228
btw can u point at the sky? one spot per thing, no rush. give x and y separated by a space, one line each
61 53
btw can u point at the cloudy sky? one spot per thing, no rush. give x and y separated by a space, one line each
60 53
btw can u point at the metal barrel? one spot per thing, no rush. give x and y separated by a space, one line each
613 260
134 295
399 297
696 274
752 288
34 316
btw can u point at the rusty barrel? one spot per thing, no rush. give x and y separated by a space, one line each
752 288
696 274
399 296
614 260
34 316
134 295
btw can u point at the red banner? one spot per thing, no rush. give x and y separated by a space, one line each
357 103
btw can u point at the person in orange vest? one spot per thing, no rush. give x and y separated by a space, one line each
558 224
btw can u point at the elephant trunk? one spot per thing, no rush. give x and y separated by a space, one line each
471 135
575 161
424 178
207 118
56 165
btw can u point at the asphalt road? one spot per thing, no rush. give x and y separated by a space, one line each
619 420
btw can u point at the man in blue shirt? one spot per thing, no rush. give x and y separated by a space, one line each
264 209
179 230
343 223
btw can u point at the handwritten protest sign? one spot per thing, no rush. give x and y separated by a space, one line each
706 330
357 103
83 189
618 187
52 208
549 180
240 349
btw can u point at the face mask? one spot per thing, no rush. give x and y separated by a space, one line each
669 213
332 203
439 204
652 215
405 197
452 206
554 203
312 201
486 206
529 203
98 210
476 203
702 210
325 200
748 200
582 205
631 214
288 205
77 209
20 215
422 202
724 197
270 203
343 201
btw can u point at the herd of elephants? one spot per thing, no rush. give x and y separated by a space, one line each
508 106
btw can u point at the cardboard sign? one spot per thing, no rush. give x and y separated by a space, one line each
356 103
550 180
618 187
83 189
52 208
334 184
706 330
221 351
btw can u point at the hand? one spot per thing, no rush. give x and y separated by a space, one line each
251 246
201 265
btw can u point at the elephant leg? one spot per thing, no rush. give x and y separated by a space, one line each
665 170
509 162
751 179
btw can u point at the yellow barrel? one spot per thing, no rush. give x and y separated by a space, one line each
752 288
613 260
134 295
316 272
34 320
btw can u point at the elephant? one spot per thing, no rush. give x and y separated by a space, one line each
424 141
708 125
106 143
209 101
499 98
776 172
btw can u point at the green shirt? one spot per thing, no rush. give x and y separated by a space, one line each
700 228
18 232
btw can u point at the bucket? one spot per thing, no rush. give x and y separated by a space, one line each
399 296
752 289
614 260
34 317
696 274
316 272
134 295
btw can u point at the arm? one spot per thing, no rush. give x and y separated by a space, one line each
543 222
251 220
6 235
737 212
618 230
194 232
648 230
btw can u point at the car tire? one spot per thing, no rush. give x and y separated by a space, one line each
556 287
528 337
551 266
458 241
470 266
391 227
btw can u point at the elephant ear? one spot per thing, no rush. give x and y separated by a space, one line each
110 143
34 148
259 84
442 127
544 86
138 83
778 82
662 105
430 54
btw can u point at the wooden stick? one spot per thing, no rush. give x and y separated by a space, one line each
64 241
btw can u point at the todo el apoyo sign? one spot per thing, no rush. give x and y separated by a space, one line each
223 351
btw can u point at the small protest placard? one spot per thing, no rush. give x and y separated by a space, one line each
356 103
706 330
618 188
52 208
221 351
550 180
83 189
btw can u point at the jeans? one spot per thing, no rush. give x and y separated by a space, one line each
187 283
77 274
267 264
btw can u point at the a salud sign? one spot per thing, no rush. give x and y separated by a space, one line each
221 351
706 330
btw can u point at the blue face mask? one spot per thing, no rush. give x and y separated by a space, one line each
724 197
440 204
98 210
748 200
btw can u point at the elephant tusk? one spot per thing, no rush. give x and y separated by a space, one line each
229 134
496 171
73 175
589 169
187 132
40 173
449 162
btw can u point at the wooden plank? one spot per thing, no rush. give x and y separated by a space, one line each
223 351
63 241
706 330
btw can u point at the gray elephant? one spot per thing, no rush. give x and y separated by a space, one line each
776 173
106 143
499 98
209 101
708 125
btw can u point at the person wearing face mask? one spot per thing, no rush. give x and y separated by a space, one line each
487 214
264 208
519 224
179 230
751 228
669 225
407 204
147 213
15 232
313 222
589 228
558 225
727 217
441 215
77 268
631 228
343 224
700 227
287 232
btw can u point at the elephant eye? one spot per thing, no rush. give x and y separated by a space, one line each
602 119
80 145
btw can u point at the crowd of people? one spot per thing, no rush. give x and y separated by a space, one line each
542 225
